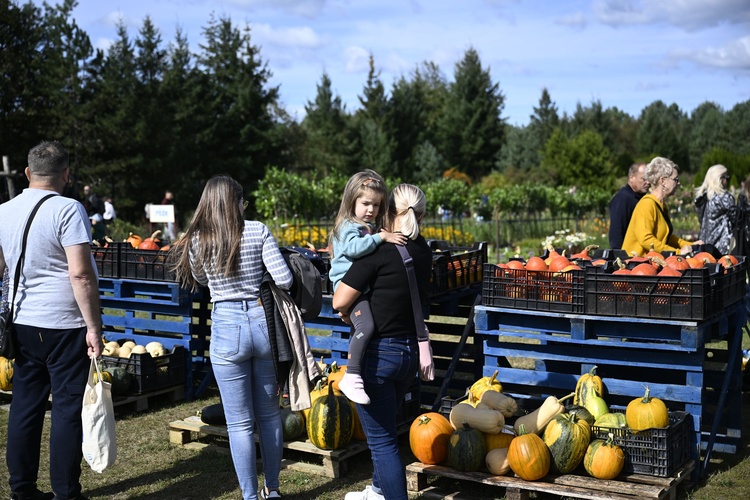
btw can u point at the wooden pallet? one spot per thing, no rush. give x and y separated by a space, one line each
627 487
332 462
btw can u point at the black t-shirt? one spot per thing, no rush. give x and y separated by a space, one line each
384 273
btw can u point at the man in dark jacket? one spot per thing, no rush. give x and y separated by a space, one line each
623 203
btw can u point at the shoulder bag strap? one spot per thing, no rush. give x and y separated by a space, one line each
17 276
416 305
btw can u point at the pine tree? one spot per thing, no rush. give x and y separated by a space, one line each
325 127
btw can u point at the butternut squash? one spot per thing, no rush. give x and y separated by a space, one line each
497 461
537 420
500 402
488 421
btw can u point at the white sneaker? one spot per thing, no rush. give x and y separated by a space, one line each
367 494
353 388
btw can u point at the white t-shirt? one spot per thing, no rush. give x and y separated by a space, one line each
45 296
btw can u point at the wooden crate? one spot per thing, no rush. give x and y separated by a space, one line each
626 487
330 463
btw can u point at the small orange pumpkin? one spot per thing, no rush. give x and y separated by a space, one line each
134 240
428 438
150 243
646 413
528 456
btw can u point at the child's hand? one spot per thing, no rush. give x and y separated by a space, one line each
395 238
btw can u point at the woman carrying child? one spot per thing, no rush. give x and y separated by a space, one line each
355 235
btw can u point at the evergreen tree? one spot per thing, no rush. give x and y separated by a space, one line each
471 129
325 126
374 145
661 133
580 161
706 123
544 120
521 152
736 130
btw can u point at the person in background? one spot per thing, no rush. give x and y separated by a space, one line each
109 211
623 203
170 228
397 350
650 225
355 235
92 202
98 230
230 255
58 326
717 211
743 216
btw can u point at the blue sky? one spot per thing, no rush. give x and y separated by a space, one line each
624 53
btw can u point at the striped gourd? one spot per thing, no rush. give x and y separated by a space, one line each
567 438
585 381
331 423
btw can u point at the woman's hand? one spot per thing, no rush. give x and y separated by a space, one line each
345 318
395 238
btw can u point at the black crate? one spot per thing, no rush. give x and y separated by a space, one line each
149 265
108 258
149 374
456 267
533 290
654 452
730 284
447 403
691 296
409 409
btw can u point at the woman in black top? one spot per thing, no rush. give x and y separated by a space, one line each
394 354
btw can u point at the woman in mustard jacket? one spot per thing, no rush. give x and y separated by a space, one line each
650 223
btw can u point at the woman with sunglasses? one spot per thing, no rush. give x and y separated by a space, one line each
650 227
716 209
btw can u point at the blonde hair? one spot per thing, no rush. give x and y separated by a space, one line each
712 182
405 211
357 185
214 234
657 168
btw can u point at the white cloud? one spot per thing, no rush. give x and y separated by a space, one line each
301 36
304 8
103 43
576 21
356 59
691 15
734 55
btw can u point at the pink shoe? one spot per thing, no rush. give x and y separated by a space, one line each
353 388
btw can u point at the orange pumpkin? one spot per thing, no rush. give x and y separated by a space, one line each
536 264
705 255
150 243
335 375
134 240
428 438
528 456
499 440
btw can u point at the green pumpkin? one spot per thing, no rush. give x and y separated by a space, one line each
292 424
330 423
466 449
612 420
580 412
120 379
567 438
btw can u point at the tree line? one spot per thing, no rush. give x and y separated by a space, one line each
147 115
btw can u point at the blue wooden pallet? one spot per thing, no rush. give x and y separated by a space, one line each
668 356
147 311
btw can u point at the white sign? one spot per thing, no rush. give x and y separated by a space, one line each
160 213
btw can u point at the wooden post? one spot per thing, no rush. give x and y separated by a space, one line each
8 178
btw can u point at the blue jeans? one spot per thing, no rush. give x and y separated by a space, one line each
243 367
388 369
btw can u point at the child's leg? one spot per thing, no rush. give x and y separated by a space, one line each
362 331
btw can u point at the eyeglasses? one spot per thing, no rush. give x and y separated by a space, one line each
724 177
675 179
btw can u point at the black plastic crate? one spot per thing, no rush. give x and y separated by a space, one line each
691 296
149 265
447 403
730 284
149 374
108 258
654 452
533 290
456 267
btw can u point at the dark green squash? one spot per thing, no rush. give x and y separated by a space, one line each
330 423
580 412
567 438
213 414
292 424
466 449
120 379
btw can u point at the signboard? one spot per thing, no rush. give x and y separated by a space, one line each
160 213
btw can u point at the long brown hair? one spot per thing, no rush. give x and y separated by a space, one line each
214 234
356 186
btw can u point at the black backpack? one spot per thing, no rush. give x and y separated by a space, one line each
307 267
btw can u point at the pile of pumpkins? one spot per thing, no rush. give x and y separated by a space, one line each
150 243
117 375
330 423
551 438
